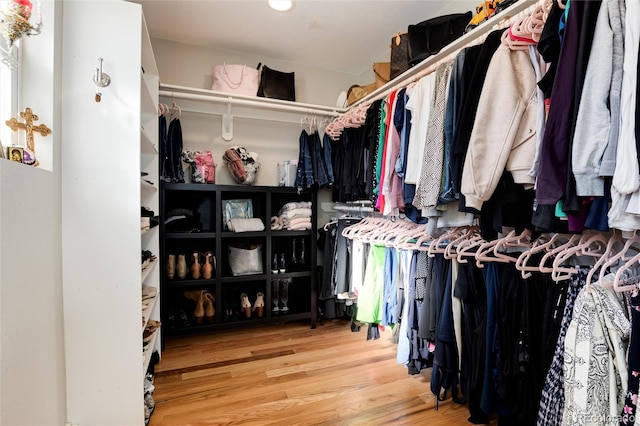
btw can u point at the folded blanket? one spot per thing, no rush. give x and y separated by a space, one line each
296 213
299 227
245 225
294 220
295 205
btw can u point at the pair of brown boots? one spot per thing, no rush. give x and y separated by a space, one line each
203 265
205 305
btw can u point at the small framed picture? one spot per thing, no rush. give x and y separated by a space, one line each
15 153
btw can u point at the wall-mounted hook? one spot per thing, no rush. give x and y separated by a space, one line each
100 79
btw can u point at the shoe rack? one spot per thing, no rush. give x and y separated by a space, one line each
192 229
109 189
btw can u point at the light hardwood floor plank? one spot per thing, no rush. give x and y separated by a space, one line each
289 374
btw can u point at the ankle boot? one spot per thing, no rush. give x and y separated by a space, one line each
171 266
245 305
275 285
258 305
208 267
181 267
284 295
193 295
196 267
209 306
198 312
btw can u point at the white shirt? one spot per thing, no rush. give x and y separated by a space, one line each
420 100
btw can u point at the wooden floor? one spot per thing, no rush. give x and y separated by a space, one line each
289 374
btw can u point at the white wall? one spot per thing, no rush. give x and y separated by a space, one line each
274 136
188 65
32 370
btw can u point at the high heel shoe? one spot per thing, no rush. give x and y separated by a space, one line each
196 267
258 306
181 267
245 305
171 266
209 265
209 309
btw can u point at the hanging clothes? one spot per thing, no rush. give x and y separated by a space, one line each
552 400
174 140
595 379
630 409
165 151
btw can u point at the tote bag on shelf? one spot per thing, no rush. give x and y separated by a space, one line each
238 79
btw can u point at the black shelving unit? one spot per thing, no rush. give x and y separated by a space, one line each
203 230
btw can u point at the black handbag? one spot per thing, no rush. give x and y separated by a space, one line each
428 37
399 54
277 84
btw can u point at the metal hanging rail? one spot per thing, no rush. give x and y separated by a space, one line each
181 92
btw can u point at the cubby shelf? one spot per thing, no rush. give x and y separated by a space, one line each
204 231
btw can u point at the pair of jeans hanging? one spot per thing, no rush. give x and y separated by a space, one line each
304 172
312 170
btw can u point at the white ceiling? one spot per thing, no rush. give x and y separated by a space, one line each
338 35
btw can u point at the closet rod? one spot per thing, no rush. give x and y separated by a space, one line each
418 71
244 116
180 92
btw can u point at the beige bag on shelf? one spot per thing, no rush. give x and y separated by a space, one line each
245 259
382 71
355 92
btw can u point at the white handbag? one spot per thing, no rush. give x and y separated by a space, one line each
233 78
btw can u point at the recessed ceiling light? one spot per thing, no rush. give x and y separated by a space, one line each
281 5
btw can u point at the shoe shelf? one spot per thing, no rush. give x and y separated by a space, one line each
148 186
190 235
177 283
148 349
146 144
146 271
201 208
147 309
148 231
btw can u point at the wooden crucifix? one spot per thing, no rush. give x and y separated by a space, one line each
29 117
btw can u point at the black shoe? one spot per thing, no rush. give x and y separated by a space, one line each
183 319
274 264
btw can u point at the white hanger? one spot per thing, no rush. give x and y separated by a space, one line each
543 243
573 239
521 240
467 233
591 245
631 244
614 240
482 255
617 285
